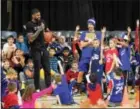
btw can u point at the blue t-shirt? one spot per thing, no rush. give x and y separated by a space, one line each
23 47
95 66
124 55
63 91
87 51
117 90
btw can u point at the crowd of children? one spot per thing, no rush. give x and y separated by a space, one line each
90 65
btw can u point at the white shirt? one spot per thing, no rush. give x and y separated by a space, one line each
6 47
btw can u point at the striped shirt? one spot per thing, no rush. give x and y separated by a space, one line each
54 64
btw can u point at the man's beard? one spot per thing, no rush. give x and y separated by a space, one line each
38 21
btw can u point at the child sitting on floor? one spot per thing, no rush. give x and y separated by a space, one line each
66 58
94 89
11 99
61 89
72 75
13 77
94 94
29 97
115 89
54 62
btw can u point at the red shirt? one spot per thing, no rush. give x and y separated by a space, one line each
137 39
94 95
109 58
70 74
10 100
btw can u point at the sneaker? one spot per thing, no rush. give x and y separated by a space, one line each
38 90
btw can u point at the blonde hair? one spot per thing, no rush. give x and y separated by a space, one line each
11 72
57 78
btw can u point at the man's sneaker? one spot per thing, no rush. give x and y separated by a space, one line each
38 90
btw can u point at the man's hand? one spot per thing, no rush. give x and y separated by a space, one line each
42 27
138 23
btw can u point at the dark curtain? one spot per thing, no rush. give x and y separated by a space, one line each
4 15
66 14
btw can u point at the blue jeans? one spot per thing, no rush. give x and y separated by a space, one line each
15 107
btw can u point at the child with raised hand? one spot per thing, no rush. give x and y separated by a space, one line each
111 59
124 56
115 89
76 43
61 89
93 89
97 58
29 97
54 62
11 99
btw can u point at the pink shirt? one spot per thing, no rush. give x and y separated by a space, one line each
31 104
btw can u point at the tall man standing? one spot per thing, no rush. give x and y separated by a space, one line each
35 29
86 42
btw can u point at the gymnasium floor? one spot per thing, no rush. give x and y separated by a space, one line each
45 102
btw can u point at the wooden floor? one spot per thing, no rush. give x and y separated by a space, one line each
50 102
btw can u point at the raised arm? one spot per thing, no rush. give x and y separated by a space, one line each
61 68
89 71
77 29
102 44
48 90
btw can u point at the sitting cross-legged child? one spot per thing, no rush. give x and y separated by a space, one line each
30 96
13 77
66 58
61 89
72 75
94 99
11 99
26 77
54 62
115 89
